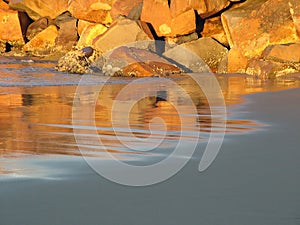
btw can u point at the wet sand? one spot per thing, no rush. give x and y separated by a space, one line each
253 181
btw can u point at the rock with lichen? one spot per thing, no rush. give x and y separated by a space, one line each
76 61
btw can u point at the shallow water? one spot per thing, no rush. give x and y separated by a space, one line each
40 113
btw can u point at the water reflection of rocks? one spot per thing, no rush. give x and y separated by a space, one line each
38 120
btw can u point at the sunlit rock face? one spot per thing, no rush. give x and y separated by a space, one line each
204 8
135 62
129 8
92 10
121 32
295 12
258 32
40 8
259 23
190 54
10 28
43 43
159 15
276 60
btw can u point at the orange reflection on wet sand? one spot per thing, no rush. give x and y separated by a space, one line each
38 120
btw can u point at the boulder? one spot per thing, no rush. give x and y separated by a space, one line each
10 29
206 49
129 8
3 5
40 8
81 25
295 12
204 8
255 24
121 32
158 14
76 61
182 39
38 26
288 53
236 61
213 28
97 11
89 33
269 69
275 61
134 62
67 34
43 43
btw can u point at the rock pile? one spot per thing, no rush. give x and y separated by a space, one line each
258 37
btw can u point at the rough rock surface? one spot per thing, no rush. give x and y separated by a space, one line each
10 28
295 12
77 61
67 34
130 8
43 43
97 11
269 69
206 49
3 5
283 53
118 35
158 14
90 33
40 8
276 60
204 8
38 26
256 24
134 62
213 28
237 61
81 25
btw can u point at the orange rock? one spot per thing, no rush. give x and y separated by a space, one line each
178 7
10 28
213 28
283 53
295 12
97 11
38 26
82 24
40 8
204 8
159 15
43 42
207 50
237 62
125 8
89 34
121 32
183 24
133 62
258 23
67 34
268 69
3 5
